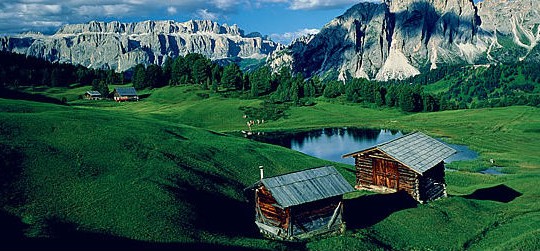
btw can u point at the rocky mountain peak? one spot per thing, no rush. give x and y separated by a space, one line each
145 27
396 39
120 46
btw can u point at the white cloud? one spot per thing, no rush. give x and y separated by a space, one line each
206 15
225 4
314 4
319 4
287 37
46 23
23 15
171 10
106 10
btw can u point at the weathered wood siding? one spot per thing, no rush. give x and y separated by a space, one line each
303 220
315 216
268 212
407 179
364 171
432 183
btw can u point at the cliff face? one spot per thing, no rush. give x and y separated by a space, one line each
399 38
121 46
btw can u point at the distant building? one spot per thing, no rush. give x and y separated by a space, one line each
301 204
125 94
92 95
413 163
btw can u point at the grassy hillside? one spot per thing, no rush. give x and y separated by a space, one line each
130 176
152 171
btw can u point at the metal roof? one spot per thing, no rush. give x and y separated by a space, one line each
415 150
307 186
93 93
126 91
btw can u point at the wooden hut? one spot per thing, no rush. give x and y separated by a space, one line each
413 163
125 94
301 204
92 95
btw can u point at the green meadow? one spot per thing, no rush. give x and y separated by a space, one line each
166 170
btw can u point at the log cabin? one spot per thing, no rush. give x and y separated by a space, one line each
302 204
125 94
92 95
413 163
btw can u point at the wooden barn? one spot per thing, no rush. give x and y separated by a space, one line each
125 94
413 163
301 204
92 95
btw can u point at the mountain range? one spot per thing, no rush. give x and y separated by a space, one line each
401 38
393 39
120 46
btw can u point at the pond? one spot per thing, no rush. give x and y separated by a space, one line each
332 143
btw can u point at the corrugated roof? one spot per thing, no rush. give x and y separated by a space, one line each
126 91
415 150
307 186
94 93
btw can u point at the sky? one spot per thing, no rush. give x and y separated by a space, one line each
281 20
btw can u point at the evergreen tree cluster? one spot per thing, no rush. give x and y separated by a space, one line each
192 69
494 86
469 87
19 70
407 97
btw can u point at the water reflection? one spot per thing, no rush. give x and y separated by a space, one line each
463 153
332 143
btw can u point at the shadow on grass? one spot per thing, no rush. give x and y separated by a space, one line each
144 96
369 210
217 213
67 237
13 94
11 228
500 193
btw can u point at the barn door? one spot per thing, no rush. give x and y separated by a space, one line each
385 173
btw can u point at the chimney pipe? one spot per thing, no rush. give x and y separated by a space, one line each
261 168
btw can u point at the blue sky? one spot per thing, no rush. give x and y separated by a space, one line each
282 20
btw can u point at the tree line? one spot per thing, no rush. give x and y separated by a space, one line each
468 87
494 86
19 70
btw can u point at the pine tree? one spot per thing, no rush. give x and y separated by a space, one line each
406 99
232 77
101 86
254 89
261 77
139 76
55 79
200 71
167 69
309 89
380 96
215 86
180 72
153 77
216 73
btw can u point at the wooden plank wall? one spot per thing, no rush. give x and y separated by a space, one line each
432 184
407 178
364 171
271 214
315 215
